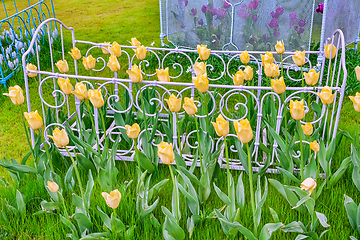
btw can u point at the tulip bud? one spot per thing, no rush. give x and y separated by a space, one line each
308 129
311 77
248 73
326 95
65 85
356 101
135 43
267 58
174 103
279 47
62 66
89 62
133 131
166 153
113 64
115 49
221 126
105 49
80 91
141 52
189 106
314 146
32 67
163 75
330 49
16 95
297 110
308 184
52 186
278 85
201 83
60 138
112 199
357 71
271 70
34 120
75 53
243 130
299 58
239 78
199 68
203 51
244 57
96 98
135 74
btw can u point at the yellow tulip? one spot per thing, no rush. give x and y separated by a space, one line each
221 126
115 49
174 103
244 57
299 58
308 184
189 106
105 49
356 101
89 62
166 153
297 110
203 51
243 130
357 71
135 74
96 98
34 120
279 47
80 91
248 73
135 43
308 129
278 85
16 95
199 68
75 53
60 138
314 146
163 75
326 95
62 66
311 77
52 186
330 48
239 78
30 66
141 52
112 199
267 58
65 85
133 131
271 70
113 64
201 83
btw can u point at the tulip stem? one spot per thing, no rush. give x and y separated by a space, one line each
309 147
302 81
27 134
282 69
227 165
47 151
63 202
175 192
286 128
199 145
137 153
76 172
104 126
143 109
318 165
178 131
206 110
93 124
301 150
114 212
251 187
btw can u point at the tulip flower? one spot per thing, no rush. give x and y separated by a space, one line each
135 43
239 78
308 184
89 62
166 153
189 106
356 101
278 85
297 110
141 52
113 63
135 74
16 95
271 70
65 85
80 91
52 186
326 95
221 126
243 130
248 73
279 47
199 68
203 51
311 77
34 120
75 53
314 146
201 83
115 49
163 75
96 98
357 71
308 129
267 58
112 199
60 138
105 49
330 48
62 66
174 103
244 57
299 58
30 66
133 131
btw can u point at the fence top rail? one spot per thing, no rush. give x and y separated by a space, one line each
24 10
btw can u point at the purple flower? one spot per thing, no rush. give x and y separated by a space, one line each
214 11
219 36
226 4
220 13
279 11
276 33
300 31
296 27
293 18
243 11
182 3
253 4
320 8
255 18
272 14
201 22
193 11
186 3
273 23
265 37
182 26
207 8
302 23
